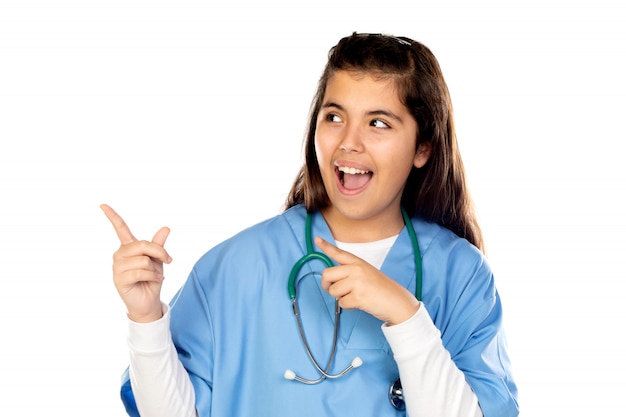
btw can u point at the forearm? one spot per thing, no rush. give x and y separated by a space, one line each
161 385
431 381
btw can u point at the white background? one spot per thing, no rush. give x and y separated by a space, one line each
192 115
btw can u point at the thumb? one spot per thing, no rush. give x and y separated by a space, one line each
161 236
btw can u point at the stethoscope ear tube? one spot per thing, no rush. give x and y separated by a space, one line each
324 373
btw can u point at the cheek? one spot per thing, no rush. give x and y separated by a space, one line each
321 149
318 151
324 156
400 163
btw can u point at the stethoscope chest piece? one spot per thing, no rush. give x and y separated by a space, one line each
396 396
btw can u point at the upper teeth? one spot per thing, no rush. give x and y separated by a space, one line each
352 170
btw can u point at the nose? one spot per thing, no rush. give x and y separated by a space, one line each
351 140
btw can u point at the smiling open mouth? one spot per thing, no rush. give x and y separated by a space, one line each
352 178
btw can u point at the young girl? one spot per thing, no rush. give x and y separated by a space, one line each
396 311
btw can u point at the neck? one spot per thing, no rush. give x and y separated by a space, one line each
356 229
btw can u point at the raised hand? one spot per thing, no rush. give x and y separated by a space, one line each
138 269
357 284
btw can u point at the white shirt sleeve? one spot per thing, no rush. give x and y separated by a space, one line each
160 383
431 382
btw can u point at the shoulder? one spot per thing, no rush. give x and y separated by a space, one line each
259 239
436 240
282 227
452 265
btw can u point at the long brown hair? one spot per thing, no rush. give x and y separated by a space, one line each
438 191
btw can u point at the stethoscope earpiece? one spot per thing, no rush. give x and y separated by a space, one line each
291 375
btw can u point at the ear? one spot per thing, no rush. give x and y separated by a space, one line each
422 155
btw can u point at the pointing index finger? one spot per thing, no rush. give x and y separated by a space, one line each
121 228
339 255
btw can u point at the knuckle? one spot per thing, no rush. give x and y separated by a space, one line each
139 275
145 263
143 244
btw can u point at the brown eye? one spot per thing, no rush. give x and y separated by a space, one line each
379 124
332 117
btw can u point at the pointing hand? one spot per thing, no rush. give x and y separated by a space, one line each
357 284
138 269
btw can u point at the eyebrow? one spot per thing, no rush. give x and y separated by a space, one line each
379 112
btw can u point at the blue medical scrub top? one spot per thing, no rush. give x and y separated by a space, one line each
235 332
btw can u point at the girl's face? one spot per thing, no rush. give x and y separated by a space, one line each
365 143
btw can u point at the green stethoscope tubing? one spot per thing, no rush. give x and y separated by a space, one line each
395 391
312 254
416 254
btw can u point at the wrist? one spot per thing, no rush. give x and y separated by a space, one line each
404 314
153 314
